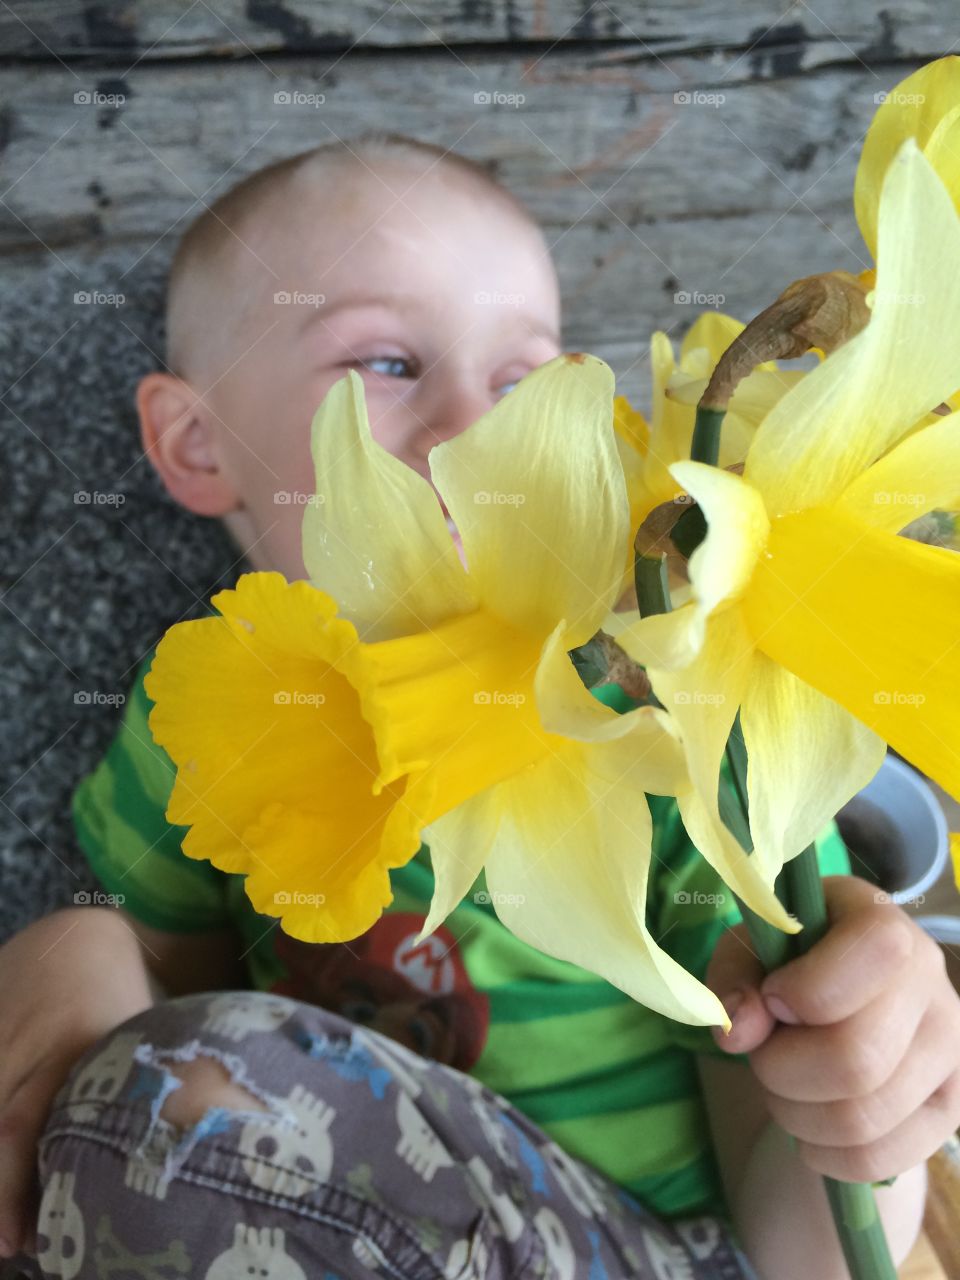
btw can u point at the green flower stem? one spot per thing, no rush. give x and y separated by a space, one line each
650 576
705 446
800 889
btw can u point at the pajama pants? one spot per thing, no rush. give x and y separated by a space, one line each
357 1158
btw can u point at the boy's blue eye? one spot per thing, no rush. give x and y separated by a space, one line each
507 386
392 366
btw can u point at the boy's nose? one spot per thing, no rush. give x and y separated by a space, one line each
456 410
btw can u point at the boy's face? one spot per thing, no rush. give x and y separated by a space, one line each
441 296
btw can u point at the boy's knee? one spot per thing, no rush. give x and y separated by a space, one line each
206 1083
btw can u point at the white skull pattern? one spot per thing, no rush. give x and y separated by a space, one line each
288 1157
101 1078
235 1013
700 1235
669 1260
61 1237
419 1146
259 1253
556 1243
507 1219
575 1181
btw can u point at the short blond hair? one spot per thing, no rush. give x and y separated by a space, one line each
203 303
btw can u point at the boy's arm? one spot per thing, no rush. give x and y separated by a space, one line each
778 1204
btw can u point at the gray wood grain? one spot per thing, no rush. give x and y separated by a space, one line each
649 180
782 34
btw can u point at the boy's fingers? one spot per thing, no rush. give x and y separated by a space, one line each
735 975
868 947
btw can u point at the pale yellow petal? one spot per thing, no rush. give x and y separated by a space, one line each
924 106
737 527
864 397
806 757
566 706
536 489
707 339
568 874
921 474
670 641
459 844
374 536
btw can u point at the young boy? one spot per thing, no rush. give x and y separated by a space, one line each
415 268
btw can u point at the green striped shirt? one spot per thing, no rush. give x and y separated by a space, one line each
608 1079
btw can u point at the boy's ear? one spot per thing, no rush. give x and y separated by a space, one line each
178 437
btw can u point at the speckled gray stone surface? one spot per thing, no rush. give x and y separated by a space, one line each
86 587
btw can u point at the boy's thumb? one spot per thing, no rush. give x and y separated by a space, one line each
735 974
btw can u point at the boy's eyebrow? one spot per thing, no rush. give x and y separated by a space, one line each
400 301
408 303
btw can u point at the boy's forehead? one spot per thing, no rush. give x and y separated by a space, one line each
390 220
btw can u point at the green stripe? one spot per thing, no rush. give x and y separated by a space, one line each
528 1001
520 1057
655 1141
689 1192
632 1084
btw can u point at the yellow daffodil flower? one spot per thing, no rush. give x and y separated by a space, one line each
442 701
926 107
649 449
832 635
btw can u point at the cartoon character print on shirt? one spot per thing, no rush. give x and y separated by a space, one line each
417 994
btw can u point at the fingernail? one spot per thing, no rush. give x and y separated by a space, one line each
780 1011
732 1003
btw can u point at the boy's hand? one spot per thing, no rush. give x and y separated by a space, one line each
65 981
856 1045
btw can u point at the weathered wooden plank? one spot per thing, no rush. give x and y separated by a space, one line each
782 35
581 139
